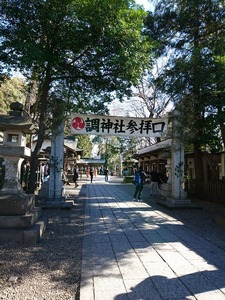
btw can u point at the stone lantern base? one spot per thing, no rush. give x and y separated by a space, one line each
174 203
20 220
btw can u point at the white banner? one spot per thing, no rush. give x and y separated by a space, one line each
111 125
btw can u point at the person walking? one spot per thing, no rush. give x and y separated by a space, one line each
139 180
81 172
65 178
91 173
106 173
75 177
155 178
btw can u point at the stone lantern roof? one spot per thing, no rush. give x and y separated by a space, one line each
17 119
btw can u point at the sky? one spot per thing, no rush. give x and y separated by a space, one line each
146 4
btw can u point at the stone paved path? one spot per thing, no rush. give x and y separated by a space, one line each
135 251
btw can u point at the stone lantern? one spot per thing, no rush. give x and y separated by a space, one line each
15 127
19 218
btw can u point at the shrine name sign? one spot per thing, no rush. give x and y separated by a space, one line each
118 126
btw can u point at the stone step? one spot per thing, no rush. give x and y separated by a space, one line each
29 236
25 221
57 204
15 205
165 194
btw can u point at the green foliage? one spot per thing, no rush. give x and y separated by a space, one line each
128 146
80 49
85 144
77 47
93 44
115 150
12 90
190 35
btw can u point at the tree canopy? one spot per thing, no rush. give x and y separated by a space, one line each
84 143
189 36
12 90
84 46
89 44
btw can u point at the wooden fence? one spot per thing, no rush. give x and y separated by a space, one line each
207 191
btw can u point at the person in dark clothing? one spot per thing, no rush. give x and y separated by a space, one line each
139 180
106 173
75 177
155 178
91 173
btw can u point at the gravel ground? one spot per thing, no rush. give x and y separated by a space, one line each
50 270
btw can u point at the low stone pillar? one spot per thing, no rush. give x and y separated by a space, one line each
179 195
55 197
56 165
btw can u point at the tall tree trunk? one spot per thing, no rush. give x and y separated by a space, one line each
41 133
31 96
